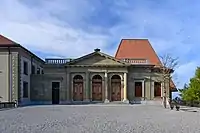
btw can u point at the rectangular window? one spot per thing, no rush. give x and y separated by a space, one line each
38 70
25 89
25 68
33 69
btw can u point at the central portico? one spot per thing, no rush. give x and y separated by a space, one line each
98 85
97 78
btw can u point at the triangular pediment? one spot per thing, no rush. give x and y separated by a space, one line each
97 59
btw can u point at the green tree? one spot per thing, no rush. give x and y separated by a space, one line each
192 92
182 91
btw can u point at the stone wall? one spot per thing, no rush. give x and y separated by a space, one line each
41 87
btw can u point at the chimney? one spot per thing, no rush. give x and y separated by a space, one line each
97 50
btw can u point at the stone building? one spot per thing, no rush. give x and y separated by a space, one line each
16 65
131 76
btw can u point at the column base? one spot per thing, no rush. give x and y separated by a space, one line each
86 100
125 101
106 101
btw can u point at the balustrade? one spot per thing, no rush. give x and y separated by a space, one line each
136 61
57 61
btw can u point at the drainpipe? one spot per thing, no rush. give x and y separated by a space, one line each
9 76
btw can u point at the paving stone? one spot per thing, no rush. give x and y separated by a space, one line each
98 119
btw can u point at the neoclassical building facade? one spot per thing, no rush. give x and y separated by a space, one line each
97 77
132 76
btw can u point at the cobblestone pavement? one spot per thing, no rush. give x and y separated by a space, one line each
98 119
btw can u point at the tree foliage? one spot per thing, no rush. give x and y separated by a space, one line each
192 91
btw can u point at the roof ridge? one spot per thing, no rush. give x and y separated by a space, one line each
135 39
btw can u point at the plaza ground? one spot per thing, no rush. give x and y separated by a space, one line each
98 119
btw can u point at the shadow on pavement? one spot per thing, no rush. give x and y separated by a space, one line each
188 110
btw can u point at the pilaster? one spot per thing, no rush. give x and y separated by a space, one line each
68 86
87 88
152 90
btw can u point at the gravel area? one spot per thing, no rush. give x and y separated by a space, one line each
98 119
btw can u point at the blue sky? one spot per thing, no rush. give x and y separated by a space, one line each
71 28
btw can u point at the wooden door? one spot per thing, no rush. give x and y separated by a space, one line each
138 89
157 89
116 91
78 91
96 91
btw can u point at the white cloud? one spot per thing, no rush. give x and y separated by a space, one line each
58 28
48 34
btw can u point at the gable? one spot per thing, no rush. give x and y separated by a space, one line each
137 49
96 59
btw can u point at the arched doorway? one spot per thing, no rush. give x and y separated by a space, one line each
78 88
97 88
116 88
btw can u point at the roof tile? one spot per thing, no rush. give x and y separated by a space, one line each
137 49
6 41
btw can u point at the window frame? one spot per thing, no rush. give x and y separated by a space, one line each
25 67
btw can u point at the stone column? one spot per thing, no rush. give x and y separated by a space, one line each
125 100
87 88
152 90
106 87
143 91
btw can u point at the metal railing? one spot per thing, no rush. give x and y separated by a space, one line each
57 61
136 61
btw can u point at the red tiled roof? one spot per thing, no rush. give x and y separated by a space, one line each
137 49
6 41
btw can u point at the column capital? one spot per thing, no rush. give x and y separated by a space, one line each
106 74
125 74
